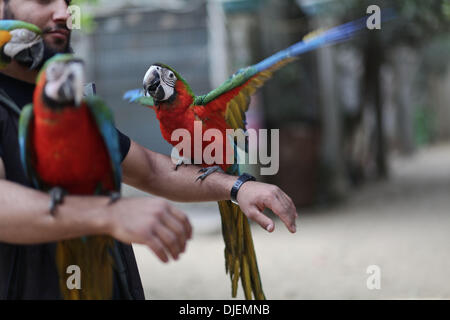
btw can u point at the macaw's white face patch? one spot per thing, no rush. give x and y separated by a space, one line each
21 39
64 82
159 83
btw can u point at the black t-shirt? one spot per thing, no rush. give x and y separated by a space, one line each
29 271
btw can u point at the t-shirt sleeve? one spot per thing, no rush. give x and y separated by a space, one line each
124 143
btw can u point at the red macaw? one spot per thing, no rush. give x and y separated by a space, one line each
224 108
69 145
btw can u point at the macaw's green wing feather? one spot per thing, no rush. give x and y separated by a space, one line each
105 122
138 96
26 152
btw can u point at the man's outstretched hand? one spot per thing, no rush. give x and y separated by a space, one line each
254 197
152 222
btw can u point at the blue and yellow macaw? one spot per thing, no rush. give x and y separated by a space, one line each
20 41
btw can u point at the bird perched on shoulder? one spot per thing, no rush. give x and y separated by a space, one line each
22 42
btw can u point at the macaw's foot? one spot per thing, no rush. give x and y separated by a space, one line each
181 162
208 171
113 197
56 197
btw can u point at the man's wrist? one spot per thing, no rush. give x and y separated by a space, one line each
243 178
92 214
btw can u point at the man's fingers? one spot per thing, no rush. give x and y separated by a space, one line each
264 221
169 239
286 214
177 227
158 248
290 207
184 221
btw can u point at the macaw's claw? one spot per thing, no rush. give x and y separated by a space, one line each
57 197
113 197
207 171
179 163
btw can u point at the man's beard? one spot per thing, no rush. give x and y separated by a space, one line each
50 52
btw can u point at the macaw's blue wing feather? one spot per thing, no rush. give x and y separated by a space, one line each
105 122
319 39
25 123
9 25
137 96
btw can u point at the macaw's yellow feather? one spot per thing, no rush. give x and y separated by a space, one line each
240 256
246 278
313 34
96 265
5 36
238 105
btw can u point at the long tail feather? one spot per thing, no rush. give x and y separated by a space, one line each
240 256
96 265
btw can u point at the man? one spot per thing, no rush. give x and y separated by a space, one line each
28 231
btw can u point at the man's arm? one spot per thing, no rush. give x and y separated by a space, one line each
154 173
25 219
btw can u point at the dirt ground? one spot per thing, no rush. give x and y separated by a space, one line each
401 225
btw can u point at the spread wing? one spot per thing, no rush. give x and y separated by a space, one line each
105 122
233 96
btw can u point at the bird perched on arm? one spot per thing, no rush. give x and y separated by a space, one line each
224 108
69 145
22 42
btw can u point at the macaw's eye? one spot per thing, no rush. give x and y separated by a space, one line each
171 75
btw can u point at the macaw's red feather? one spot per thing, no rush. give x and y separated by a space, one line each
69 152
70 141
181 114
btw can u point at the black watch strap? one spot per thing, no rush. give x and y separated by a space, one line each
243 178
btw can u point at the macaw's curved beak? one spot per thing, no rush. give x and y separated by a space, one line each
152 84
32 56
68 88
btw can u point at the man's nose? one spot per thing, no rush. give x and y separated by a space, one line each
61 13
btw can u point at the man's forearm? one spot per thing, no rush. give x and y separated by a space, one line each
160 178
25 217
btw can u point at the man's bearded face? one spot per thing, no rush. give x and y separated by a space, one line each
50 16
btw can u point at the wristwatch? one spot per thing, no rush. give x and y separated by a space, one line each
243 178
